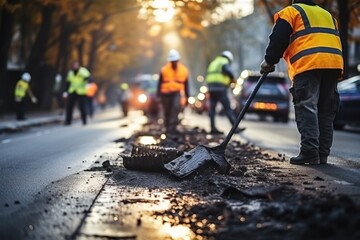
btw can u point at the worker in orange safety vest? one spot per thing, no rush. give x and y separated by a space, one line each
307 37
173 81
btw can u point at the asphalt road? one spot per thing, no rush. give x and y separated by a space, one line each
343 163
284 137
31 160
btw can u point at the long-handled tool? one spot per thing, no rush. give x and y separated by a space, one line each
187 163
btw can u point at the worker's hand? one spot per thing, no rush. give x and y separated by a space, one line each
34 100
65 95
266 67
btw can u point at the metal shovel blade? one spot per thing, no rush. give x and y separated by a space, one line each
218 156
187 163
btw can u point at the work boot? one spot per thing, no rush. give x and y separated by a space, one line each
215 131
306 158
323 159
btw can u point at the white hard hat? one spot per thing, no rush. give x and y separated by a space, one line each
173 55
26 76
228 54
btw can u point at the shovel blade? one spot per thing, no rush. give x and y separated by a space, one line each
187 163
218 156
220 160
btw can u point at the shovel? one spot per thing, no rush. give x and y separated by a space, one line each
187 163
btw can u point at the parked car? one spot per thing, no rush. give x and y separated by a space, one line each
143 90
349 112
273 97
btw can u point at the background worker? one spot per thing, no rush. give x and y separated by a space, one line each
173 81
124 98
91 90
21 89
76 91
307 37
218 78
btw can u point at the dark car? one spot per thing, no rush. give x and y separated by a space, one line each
349 112
273 97
143 90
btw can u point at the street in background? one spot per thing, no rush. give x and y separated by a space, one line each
349 112
272 99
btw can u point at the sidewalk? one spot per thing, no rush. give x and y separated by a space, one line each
8 122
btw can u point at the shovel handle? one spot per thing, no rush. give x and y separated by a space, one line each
243 110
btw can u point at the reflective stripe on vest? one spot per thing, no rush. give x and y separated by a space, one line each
78 81
21 88
315 42
214 71
173 80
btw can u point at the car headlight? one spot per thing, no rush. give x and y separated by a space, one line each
142 98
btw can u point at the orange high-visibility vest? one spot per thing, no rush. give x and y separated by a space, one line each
315 41
173 80
91 89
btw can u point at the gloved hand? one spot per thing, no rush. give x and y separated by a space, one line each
34 100
266 67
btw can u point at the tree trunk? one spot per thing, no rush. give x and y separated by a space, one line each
39 48
6 33
41 83
344 34
80 49
268 11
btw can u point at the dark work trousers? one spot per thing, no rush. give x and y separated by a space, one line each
124 107
172 107
74 98
316 102
20 109
90 106
220 96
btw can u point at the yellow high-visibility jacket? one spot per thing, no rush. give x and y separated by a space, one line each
214 71
78 81
20 90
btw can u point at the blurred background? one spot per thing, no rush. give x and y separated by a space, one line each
118 40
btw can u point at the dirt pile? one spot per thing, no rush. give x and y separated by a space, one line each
262 197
